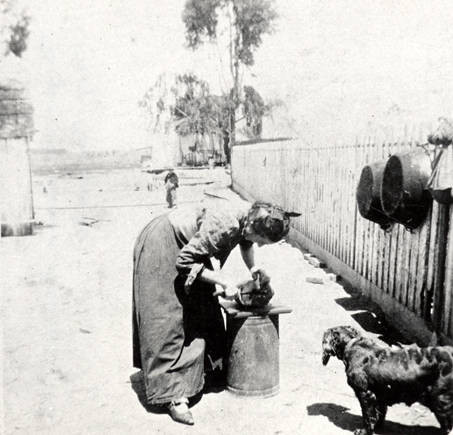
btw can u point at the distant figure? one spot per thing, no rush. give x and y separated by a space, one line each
171 184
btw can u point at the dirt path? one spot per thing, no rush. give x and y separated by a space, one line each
67 331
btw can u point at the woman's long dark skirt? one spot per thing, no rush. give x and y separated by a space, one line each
176 337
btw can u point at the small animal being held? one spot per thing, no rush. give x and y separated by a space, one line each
383 375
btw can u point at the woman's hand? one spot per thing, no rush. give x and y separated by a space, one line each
229 291
258 273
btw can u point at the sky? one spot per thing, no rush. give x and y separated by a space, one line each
335 64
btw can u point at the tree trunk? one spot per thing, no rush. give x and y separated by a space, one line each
235 91
226 145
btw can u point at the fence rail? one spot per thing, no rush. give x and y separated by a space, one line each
408 273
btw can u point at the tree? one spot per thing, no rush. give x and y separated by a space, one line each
14 28
186 102
157 103
192 108
254 110
248 21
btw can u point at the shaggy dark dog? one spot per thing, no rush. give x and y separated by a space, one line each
381 375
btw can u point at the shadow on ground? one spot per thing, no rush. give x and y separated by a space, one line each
343 419
138 385
370 317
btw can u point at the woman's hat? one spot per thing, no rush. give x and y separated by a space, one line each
274 223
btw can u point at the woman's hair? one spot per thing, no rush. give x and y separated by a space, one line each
272 224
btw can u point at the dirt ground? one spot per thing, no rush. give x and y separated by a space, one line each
67 366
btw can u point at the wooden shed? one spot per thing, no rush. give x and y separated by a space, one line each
16 129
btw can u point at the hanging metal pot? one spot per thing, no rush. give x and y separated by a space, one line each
404 194
368 194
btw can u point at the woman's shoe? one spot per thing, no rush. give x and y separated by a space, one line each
179 411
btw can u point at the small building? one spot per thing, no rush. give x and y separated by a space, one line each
16 129
199 150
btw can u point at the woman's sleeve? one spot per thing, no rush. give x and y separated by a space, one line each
245 244
215 235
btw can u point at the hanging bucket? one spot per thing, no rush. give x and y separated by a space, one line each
368 194
404 194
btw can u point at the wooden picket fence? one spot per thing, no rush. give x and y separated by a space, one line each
410 274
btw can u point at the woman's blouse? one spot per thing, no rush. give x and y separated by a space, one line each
206 232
